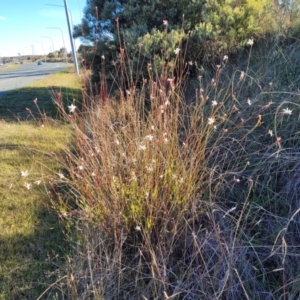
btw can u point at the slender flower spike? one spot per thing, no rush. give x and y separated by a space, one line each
250 42
287 111
24 173
211 121
72 108
176 51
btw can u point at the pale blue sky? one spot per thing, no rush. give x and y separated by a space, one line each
24 22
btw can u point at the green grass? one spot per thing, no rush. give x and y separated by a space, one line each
31 240
9 66
18 104
32 243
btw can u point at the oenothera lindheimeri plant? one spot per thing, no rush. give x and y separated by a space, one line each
168 193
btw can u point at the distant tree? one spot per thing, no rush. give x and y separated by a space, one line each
221 24
62 52
51 55
100 16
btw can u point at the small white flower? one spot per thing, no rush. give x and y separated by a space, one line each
149 168
287 111
117 142
38 182
103 57
236 179
167 103
242 76
61 175
176 51
249 101
149 137
270 132
142 147
137 228
190 63
24 173
80 167
93 174
250 42
214 103
72 108
211 121
27 185
234 108
225 58
165 22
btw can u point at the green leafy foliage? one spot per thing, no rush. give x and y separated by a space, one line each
214 27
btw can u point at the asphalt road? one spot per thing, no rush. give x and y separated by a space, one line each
25 74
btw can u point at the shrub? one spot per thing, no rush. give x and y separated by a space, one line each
183 200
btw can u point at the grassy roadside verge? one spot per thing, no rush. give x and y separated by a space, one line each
31 240
9 66
18 104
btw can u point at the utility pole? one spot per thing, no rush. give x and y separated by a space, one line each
71 38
